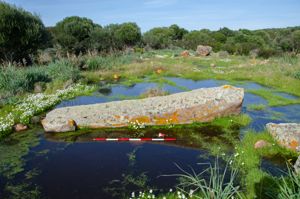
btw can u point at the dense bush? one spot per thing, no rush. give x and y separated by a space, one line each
158 38
73 34
21 34
115 37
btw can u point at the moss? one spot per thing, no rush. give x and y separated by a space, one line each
248 159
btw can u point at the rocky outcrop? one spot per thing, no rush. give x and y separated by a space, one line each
204 50
287 134
200 105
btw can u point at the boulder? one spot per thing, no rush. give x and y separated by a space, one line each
20 127
204 50
261 144
201 105
287 134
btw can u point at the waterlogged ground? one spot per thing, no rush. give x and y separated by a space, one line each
71 165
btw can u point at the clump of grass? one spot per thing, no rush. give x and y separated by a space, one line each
257 107
215 187
153 92
272 98
289 185
108 62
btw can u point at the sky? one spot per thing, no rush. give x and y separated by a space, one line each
190 14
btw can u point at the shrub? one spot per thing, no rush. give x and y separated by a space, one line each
158 38
21 34
62 70
73 33
267 52
297 75
15 80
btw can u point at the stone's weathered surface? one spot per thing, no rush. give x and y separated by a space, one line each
63 126
287 134
20 127
198 105
204 50
297 165
261 144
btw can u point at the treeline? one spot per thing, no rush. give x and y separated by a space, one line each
22 34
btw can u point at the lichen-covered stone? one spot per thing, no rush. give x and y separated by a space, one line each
181 108
204 50
287 134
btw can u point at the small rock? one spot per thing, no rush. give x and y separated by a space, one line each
38 87
185 53
261 144
212 65
297 165
20 127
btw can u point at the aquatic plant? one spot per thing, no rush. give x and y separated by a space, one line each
289 185
257 107
215 187
274 99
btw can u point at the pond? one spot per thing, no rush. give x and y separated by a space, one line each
72 165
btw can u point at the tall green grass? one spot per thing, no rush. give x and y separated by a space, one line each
15 80
107 62
216 186
289 185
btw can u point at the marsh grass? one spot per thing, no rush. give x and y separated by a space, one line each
273 99
289 185
257 107
19 80
221 184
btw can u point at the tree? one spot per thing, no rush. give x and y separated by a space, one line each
195 38
177 32
73 33
296 40
129 34
21 34
158 38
